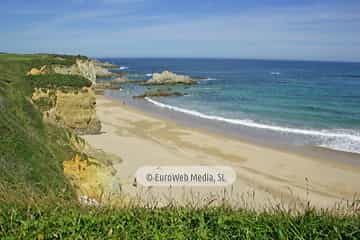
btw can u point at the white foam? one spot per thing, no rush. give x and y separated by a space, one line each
341 137
123 67
210 79
341 144
149 74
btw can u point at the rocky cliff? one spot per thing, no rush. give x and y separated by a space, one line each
92 173
85 68
90 69
74 109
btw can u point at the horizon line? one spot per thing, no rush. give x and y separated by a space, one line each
232 58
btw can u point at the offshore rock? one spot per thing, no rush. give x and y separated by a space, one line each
160 93
167 77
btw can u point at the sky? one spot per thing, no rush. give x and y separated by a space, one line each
262 29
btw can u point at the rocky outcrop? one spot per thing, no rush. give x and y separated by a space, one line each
126 80
167 77
101 68
92 179
102 72
85 68
38 71
159 93
104 64
102 86
74 109
89 69
92 172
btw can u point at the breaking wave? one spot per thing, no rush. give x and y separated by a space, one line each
341 140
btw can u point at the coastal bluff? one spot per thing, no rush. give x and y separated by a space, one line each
65 93
87 68
74 109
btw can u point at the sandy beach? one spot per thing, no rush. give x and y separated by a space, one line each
265 176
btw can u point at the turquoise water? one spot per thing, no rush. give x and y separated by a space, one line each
317 101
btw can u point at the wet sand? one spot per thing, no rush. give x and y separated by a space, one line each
266 176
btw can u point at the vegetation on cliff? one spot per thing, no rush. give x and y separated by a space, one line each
31 151
58 81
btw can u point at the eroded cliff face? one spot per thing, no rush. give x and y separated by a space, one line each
74 109
92 173
85 68
89 69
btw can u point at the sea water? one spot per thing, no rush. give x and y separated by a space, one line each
318 103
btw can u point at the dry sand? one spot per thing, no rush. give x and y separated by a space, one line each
265 176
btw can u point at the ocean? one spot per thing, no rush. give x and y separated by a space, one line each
310 103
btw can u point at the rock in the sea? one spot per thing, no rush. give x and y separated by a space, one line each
101 68
167 77
104 64
102 72
101 86
126 80
120 80
160 93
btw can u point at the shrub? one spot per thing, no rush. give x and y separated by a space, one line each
58 80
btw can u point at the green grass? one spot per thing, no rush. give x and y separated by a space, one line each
58 81
38 60
173 223
31 151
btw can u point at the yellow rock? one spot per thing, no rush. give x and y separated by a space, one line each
36 71
74 109
90 177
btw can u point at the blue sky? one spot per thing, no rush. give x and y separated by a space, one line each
277 29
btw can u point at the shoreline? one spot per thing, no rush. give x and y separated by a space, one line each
269 139
272 175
